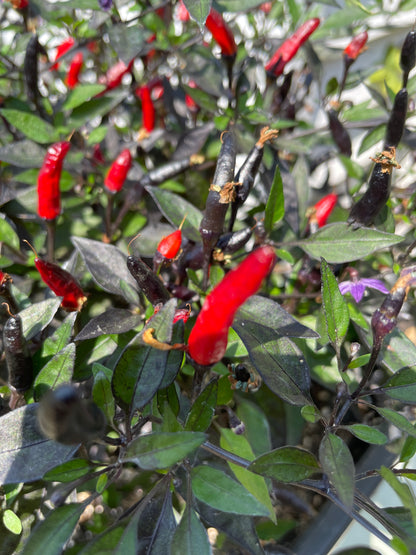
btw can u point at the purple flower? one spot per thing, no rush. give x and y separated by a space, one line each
105 4
357 286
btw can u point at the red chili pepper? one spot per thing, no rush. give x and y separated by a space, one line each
180 313
72 78
115 74
168 248
4 280
19 4
356 46
61 49
61 282
266 7
148 109
189 101
118 171
221 33
324 207
182 12
290 47
49 195
208 339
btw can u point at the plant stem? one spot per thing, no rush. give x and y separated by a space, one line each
226 455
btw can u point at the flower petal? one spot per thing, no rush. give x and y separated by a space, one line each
374 284
357 291
345 287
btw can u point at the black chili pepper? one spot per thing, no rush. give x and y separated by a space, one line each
366 209
18 359
30 70
231 242
221 194
148 281
408 55
395 125
339 134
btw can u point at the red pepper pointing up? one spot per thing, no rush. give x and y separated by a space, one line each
72 78
49 195
208 339
356 46
221 33
148 109
118 171
290 47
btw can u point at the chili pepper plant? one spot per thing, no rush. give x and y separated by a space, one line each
207 275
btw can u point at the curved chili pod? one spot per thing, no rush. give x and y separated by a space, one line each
49 195
72 77
221 194
208 338
233 241
395 125
339 134
147 281
366 209
408 55
18 359
116 175
30 68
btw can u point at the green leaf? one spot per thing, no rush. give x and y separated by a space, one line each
190 536
238 5
198 9
280 362
218 490
401 489
256 485
203 409
257 425
339 242
32 126
23 154
275 206
101 390
372 137
174 208
95 107
21 441
36 317
338 464
12 522
337 317
402 385
81 94
286 464
50 536
311 413
57 371
397 420
68 471
56 342
354 170
367 433
162 450
8 235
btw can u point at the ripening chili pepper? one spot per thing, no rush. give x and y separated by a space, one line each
408 55
61 282
221 33
355 47
19 4
18 359
168 248
72 77
340 135
221 193
395 125
49 195
147 281
322 209
61 49
67 418
247 173
290 47
116 175
30 69
148 109
208 338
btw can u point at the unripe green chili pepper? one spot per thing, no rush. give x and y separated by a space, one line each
395 125
339 134
208 338
49 195
221 194
408 55
18 359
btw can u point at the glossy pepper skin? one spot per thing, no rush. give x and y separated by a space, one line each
49 195
408 55
167 249
208 339
397 119
290 47
370 204
339 134
62 283
355 47
72 77
61 49
30 69
324 207
148 109
221 33
116 175
18 359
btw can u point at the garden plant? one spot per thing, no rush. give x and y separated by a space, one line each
208 232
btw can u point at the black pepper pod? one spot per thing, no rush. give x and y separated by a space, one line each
395 125
147 281
231 242
339 134
384 319
18 359
247 173
366 209
408 55
220 195
30 68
